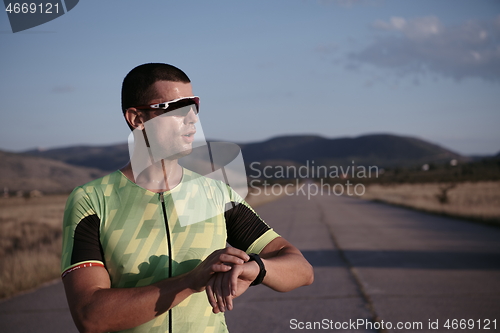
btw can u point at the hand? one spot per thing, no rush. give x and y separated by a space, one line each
219 261
222 288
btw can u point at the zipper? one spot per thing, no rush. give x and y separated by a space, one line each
169 243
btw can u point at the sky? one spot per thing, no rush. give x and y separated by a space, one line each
335 68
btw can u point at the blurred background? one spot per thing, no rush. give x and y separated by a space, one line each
411 87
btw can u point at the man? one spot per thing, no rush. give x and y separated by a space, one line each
132 261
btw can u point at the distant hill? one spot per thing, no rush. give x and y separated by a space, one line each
61 169
108 158
27 173
378 149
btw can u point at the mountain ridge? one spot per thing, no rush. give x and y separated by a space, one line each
61 169
380 148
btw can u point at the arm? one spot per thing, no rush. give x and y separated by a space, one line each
286 268
96 307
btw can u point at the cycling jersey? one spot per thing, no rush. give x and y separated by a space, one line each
137 235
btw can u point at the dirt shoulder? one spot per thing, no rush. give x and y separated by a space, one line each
478 201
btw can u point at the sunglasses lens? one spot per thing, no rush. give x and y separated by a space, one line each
184 104
181 111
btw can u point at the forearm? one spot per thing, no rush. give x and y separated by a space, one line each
96 307
287 272
287 269
114 309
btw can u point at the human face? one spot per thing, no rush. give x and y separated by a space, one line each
170 135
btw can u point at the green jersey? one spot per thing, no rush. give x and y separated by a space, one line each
142 237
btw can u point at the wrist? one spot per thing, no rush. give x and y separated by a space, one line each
192 282
262 269
253 271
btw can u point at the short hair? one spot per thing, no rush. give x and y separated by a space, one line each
137 85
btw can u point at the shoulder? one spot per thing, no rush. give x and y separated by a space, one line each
116 177
89 192
103 184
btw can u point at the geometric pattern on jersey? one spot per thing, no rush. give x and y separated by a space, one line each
143 241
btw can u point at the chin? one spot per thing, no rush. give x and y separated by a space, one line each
187 151
181 153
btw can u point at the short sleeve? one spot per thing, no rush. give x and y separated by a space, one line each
246 230
81 241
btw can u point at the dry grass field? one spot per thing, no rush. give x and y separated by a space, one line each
471 200
30 242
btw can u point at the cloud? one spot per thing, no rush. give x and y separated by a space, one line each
424 44
419 28
63 89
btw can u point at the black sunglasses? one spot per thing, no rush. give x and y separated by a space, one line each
173 105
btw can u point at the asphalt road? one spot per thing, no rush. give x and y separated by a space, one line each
379 262
372 262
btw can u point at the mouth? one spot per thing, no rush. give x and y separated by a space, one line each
189 137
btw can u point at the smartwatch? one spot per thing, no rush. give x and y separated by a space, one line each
262 273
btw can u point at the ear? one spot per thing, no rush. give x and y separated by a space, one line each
135 118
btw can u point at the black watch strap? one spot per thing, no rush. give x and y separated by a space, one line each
262 273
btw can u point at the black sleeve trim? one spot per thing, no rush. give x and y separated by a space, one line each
243 226
87 244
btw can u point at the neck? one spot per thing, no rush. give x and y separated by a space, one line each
158 177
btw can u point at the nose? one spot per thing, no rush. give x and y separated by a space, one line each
191 117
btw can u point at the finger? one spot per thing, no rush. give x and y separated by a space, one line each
218 292
230 259
226 289
210 295
237 253
216 268
234 281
